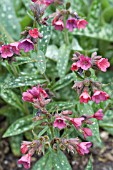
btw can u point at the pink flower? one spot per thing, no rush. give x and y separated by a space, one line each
84 62
6 51
37 92
98 115
84 97
77 122
33 33
74 67
15 48
83 147
71 23
81 23
59 123
26 96
103 64
34 0
59 25
99 96
86 132
25 160
46 2
26 44
24 147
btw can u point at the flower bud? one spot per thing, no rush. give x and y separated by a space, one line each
62 147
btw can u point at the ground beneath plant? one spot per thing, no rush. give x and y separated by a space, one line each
102 157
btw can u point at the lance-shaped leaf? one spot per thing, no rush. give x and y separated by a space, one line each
11 98
8 18
41 61
52 160
21 125
46 32
62 62
23 80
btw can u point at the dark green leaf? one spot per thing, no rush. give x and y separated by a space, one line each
46 32
23 80
51 160
21 125
8 18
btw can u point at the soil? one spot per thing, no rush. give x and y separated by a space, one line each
102 157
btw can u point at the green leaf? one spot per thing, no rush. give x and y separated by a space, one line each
23 60
8 18
89 165
23 80
21 125
63 82
43 131
62 62
52 52
11 98
15 143
107 122
60 105
85 108
46 32
52 160
45 163
41 62
96 135
60 161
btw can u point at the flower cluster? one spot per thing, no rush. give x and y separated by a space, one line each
62 121
90 90
82 62
38 97
72 22
29 148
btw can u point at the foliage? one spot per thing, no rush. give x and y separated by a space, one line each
49 66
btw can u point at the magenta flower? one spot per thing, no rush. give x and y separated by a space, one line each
98 115
103 64
48 2
59 123
58 25
15 47
84 97
24 146
33 33
37 92
84 62
26 44
25 160
81 23
83 147
86 132
99 96
6 51
71 23
74 67
27 96
77 122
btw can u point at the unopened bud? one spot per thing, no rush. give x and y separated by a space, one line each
62 147
46 138
47 145
66 112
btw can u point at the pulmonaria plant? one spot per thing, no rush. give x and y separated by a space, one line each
59 122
